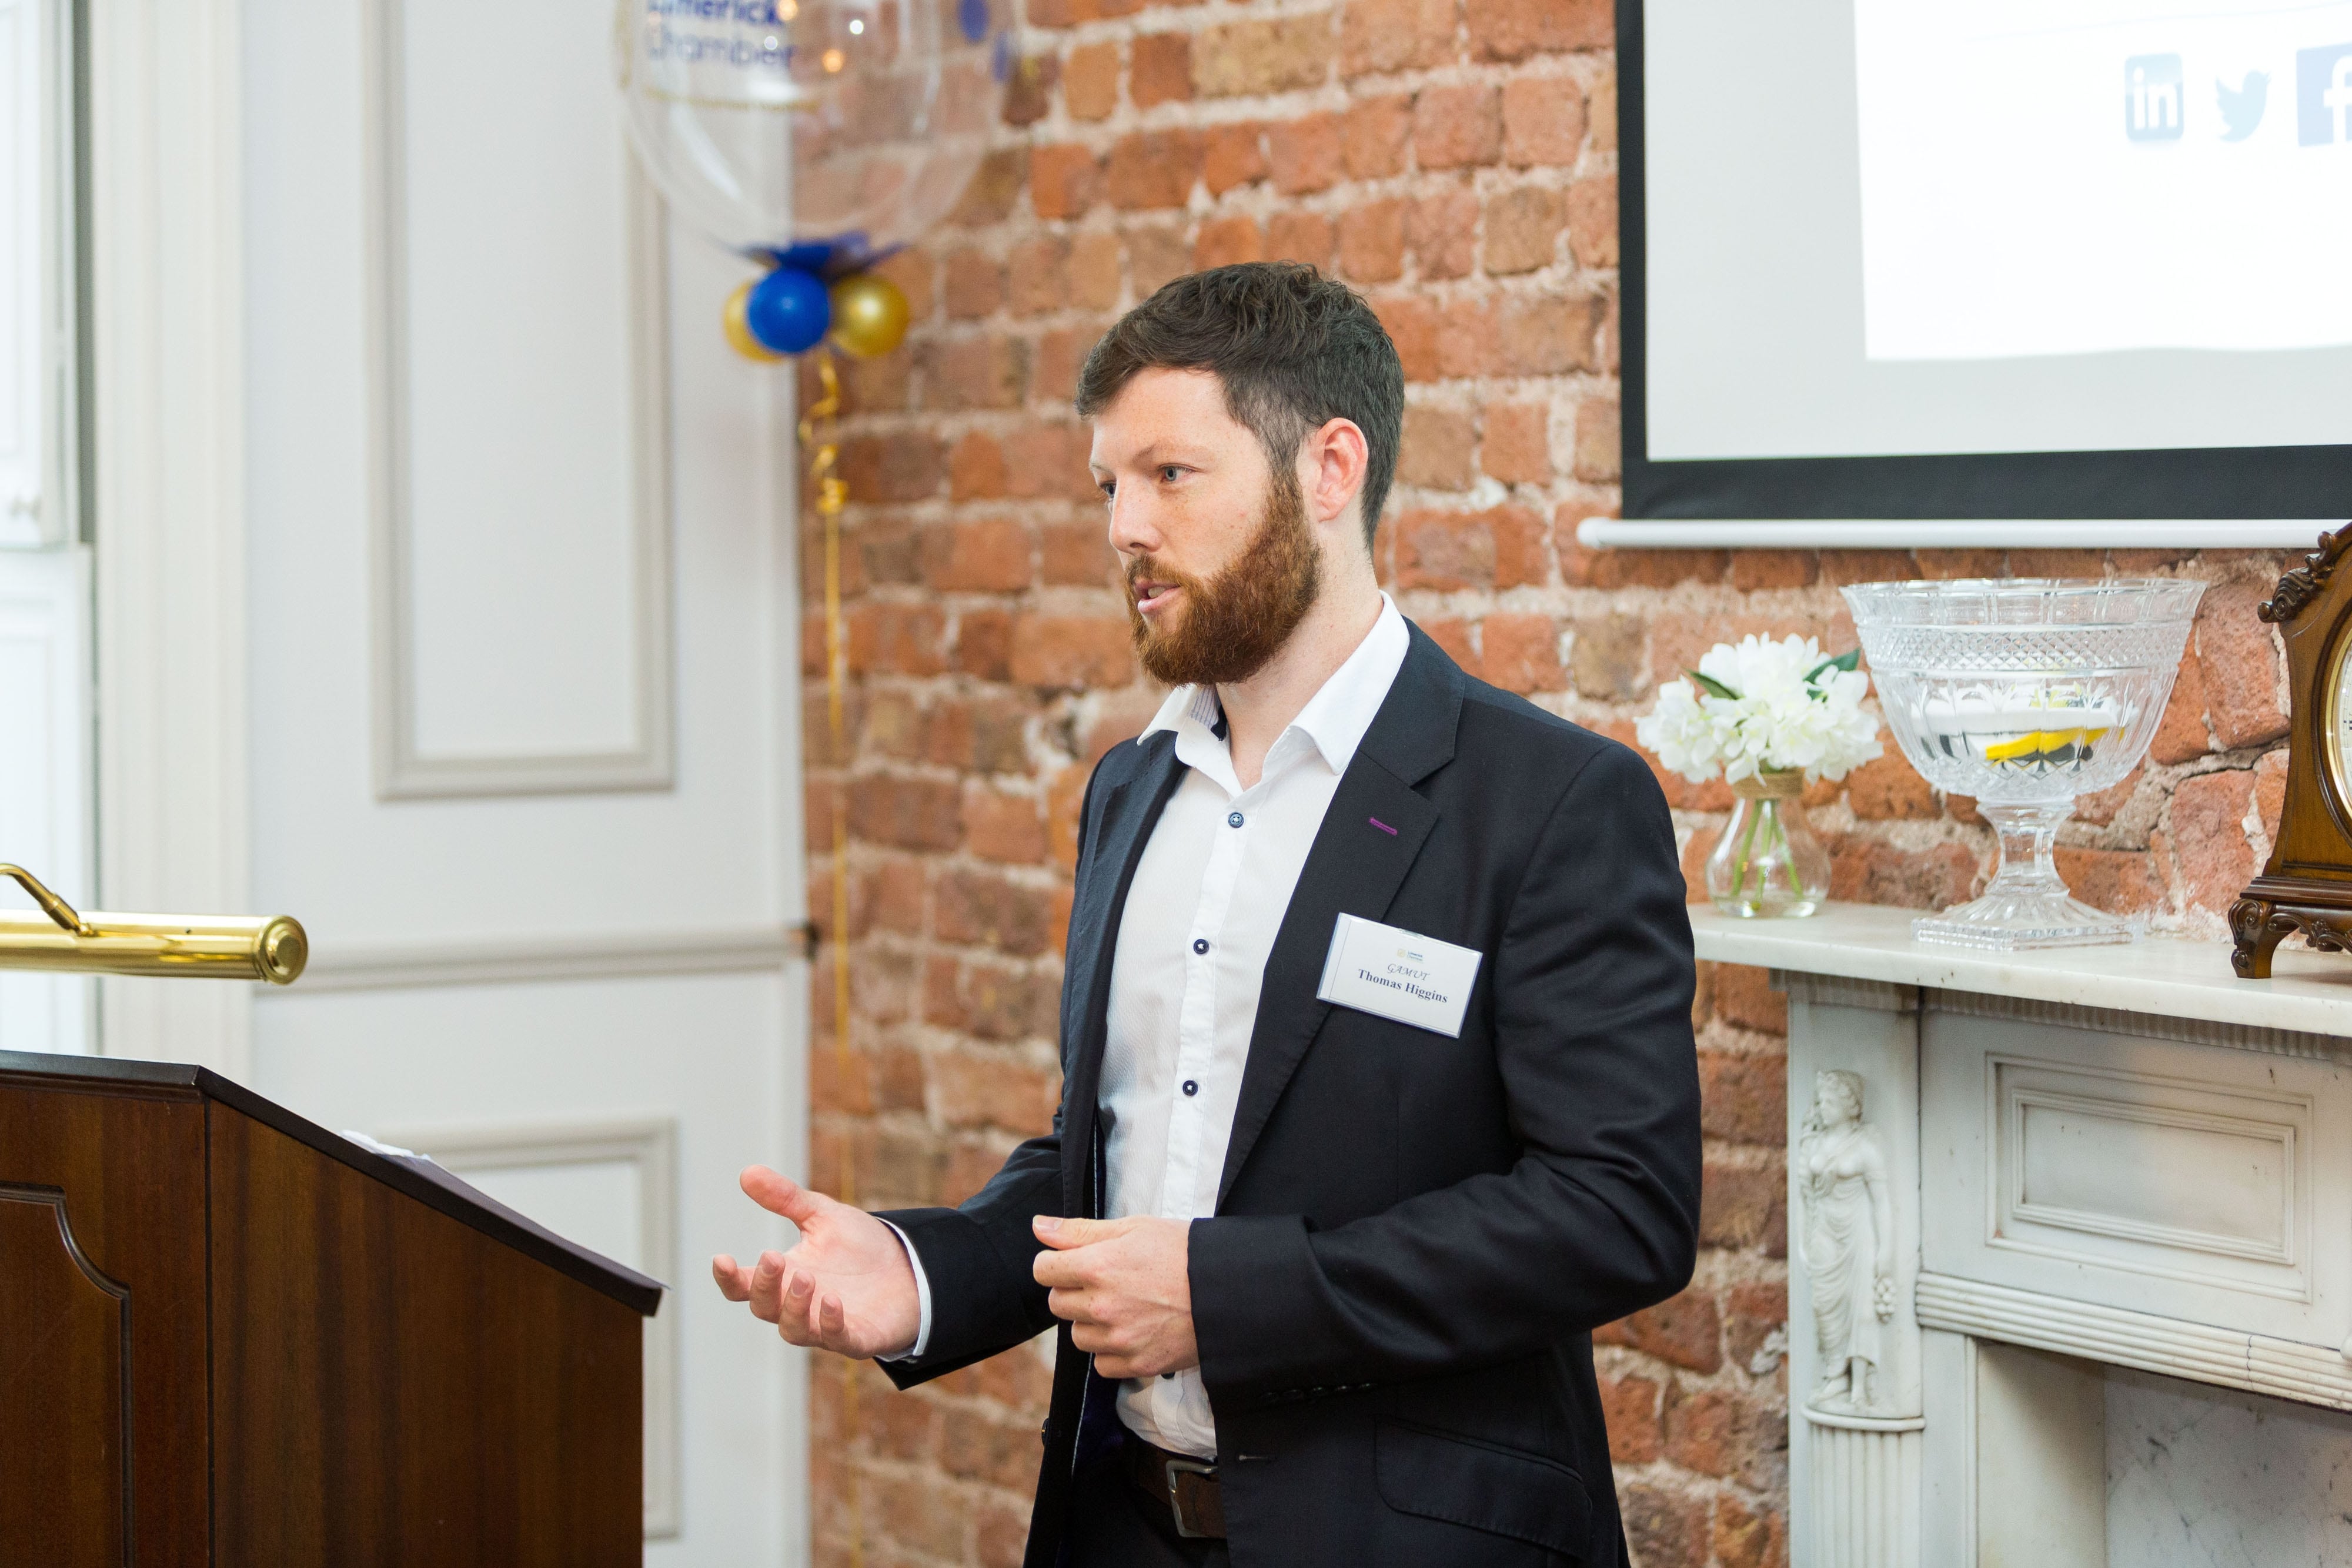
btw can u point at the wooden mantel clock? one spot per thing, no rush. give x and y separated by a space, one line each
2307 885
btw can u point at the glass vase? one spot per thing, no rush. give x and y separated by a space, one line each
1768 862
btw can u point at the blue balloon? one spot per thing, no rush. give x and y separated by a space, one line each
788 310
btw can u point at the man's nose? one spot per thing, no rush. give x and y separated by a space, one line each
1133 529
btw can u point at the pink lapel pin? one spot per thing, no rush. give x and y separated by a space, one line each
1381 826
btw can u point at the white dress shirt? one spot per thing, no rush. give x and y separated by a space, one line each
1208 897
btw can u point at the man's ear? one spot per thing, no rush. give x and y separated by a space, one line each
1334 460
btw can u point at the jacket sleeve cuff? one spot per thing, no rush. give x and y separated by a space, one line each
975 1306
1255 1299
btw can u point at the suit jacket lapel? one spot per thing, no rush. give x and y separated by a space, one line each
1353 868
1121 829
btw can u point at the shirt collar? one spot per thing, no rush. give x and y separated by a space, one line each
1335 718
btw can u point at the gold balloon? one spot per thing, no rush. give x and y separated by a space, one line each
869 314
738 329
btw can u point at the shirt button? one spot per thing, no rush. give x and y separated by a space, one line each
1191 1086
1200 944
1233 820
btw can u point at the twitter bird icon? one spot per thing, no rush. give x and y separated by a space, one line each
2241 106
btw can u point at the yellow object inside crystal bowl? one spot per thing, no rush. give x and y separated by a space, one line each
2054 746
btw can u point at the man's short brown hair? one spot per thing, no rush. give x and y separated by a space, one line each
1293 349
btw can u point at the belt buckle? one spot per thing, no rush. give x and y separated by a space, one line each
1175 1503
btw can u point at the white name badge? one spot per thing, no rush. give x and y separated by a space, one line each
1399 974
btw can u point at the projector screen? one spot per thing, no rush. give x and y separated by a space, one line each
2061 259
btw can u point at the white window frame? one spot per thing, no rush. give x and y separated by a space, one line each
47 806
40 500
45 779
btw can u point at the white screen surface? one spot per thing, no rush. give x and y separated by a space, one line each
1888 227
2169 184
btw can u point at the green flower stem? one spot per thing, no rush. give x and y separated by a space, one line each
1789 851
1796 872
1767 810
1747 843
1763 862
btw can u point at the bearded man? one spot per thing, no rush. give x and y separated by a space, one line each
1379 1089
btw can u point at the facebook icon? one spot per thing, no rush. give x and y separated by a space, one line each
2323 94
2152 98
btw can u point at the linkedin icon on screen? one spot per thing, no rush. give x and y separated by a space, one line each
2152 98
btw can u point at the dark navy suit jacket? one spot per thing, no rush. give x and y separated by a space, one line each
1415 1236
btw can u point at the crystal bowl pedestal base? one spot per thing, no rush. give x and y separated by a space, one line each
2027 904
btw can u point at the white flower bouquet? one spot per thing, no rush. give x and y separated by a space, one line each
1764 708
1769 717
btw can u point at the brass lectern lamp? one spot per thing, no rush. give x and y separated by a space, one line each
219 947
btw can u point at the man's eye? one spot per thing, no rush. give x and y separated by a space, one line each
1168 471
1109 489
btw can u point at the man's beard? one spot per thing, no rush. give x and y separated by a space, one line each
1229 627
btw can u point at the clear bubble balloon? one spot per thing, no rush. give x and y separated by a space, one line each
818 133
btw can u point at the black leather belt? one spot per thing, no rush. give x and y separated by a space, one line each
1184 1486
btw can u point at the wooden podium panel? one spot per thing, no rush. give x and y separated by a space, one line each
67 1332
230 1338
102 1254
395 1387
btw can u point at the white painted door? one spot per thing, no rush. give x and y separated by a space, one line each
522 690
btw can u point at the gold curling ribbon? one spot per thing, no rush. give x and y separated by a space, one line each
832 493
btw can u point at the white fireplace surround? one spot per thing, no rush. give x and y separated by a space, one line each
2069 1170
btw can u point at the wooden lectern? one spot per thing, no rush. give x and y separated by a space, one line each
230 1337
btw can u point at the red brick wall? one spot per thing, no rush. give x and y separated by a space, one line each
1455 159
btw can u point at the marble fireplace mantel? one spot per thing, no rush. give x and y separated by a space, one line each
2025 1192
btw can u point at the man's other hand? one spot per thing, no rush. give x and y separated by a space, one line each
1125 1287
845 1286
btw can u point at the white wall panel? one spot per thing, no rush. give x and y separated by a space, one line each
718 850
523 600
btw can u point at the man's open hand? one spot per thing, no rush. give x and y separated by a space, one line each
845 1287
1125 1287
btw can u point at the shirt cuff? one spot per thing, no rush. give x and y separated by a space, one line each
922 1300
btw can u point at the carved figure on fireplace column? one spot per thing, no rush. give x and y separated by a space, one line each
1846 1242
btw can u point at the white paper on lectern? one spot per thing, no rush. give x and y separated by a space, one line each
1397 974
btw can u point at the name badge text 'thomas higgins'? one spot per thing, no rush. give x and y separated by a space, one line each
1399 974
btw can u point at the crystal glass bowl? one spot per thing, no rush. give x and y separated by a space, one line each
2024 692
